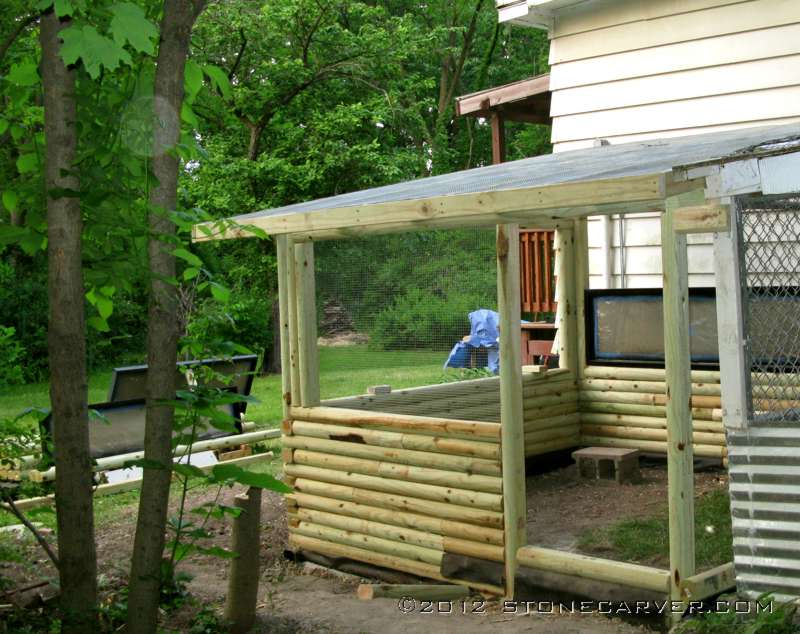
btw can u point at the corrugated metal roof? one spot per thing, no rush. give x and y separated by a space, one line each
547 174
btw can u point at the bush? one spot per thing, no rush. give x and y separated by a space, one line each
11 355
422 320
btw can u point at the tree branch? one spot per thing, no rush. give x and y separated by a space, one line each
15 33
27 523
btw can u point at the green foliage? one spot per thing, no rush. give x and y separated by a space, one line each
766 617
11 358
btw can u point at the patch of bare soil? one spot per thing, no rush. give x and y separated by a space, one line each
562 506
343 339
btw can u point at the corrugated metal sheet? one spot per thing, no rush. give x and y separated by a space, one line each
764 459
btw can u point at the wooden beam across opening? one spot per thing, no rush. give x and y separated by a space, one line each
707 218
677 361
512 434
528 204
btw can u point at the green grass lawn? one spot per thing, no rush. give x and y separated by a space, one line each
344 371
647 540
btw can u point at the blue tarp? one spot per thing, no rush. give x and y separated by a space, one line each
484 333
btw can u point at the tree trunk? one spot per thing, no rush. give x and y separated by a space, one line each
66 341
162 333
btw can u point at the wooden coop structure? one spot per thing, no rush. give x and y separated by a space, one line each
422 480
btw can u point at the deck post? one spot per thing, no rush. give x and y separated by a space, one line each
512 436
566 299
282 252
307 324
680 454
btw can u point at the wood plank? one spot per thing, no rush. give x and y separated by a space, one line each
294 349
566 297
677 361
282 255
733 363
307 324
709 583
691 84
702 218
731 49
683 27
497 96
564 199
512 439
691 113
581 256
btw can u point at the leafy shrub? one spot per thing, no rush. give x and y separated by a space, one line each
767 618
11 355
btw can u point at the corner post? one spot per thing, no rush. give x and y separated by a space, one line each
581 284
566 298
512 437
307 324
282 249
680 454
291 312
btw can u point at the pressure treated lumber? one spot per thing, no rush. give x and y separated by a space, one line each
28 504
645 374
647 387
651 446
390 470
395 440
589 418
645 433
421 592
240 602
421 522
581 272
708 218
402 456
117 462
401 534
566 297
360 418
461 497
307 324
594 568
538 447
655 411
379 559
677 362
376 544
294 342
511 409
282 255
444 510
709 583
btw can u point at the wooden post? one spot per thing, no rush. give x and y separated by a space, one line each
498 138
240 604
512 437
680 468
282 245
291 298
565 296
307 324
734 373
581 284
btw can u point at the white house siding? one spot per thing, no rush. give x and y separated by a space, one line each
631 70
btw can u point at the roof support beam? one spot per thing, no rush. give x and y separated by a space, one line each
528 204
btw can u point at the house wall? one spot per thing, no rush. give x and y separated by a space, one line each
630 70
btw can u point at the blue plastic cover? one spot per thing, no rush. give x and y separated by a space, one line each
484 333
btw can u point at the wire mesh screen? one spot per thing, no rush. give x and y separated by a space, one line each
770 247
403 310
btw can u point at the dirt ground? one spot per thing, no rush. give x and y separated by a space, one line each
292 599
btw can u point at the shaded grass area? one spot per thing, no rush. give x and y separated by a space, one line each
344 371
647 540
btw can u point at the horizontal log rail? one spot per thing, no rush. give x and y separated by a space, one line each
587 567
